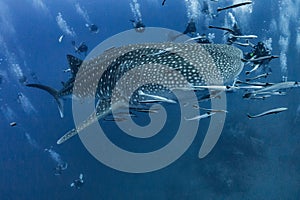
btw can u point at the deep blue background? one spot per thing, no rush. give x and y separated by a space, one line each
258 159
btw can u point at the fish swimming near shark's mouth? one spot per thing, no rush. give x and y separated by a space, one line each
175 65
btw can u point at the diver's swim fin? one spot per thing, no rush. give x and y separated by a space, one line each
54 93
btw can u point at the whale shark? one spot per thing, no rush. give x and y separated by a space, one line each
163 66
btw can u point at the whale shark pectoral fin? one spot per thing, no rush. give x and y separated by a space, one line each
67 136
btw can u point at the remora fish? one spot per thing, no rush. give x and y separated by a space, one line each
274 88
279 93
216 87
195 38
154 98
203 116
263 58
253 69
242 44
272 111
213 110
263 97
235 5
239 82
74 64
197 64
264 75
223 28
244 36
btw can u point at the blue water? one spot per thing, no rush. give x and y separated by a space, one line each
253 159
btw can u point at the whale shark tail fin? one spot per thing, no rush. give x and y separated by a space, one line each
54 93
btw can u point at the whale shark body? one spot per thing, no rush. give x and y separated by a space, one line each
161 67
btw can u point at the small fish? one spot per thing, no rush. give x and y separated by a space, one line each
60 38
235 5
272 111
279 93
244 36
156 98
264 75
223 28
12 124
255 83
250 87
214 110
154 101
261 97
206 115
278 86
196 38
163 3
242 44
216 87
263 58
272 89
252 70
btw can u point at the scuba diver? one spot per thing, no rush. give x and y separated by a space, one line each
191 28
259 51
92 27
138 25
78 183
34 77
82 48
19 97
206 10
59 168
23 79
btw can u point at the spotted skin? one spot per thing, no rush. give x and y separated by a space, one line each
163 66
